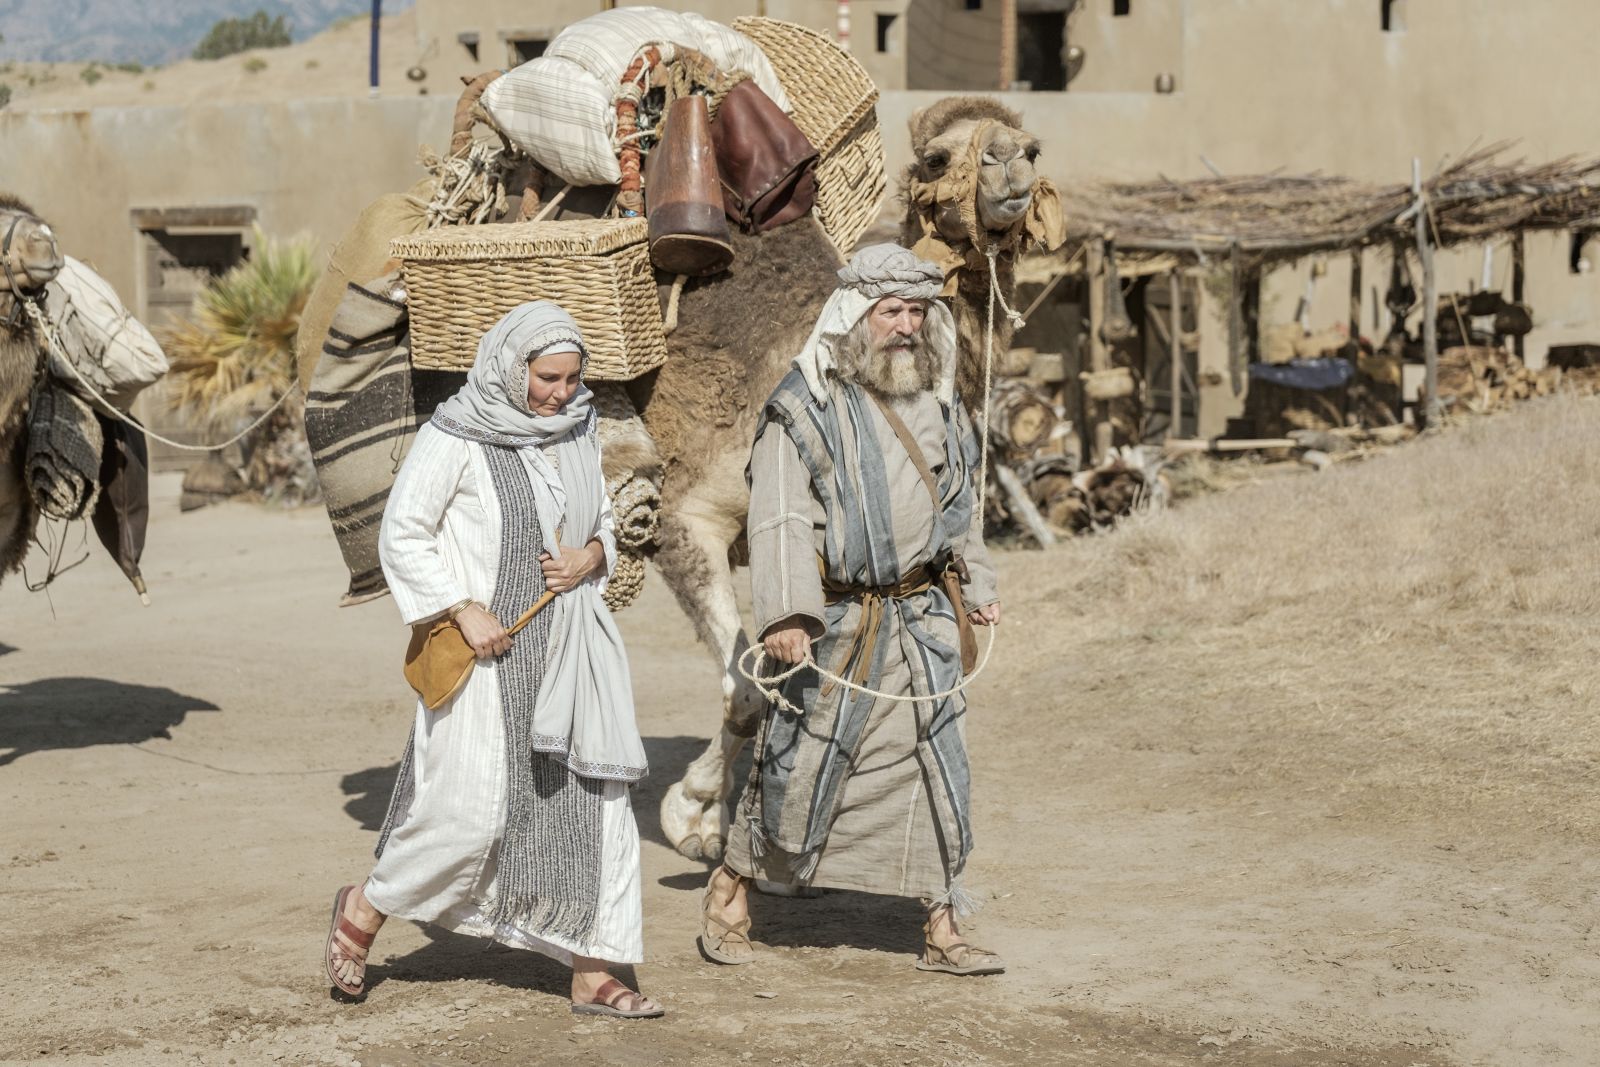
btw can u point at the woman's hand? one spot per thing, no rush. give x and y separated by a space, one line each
575 564
988 615
483 632
788 641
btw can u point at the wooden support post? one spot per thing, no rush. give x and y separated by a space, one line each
1096 424
1517 278
1433 413
1175 295
1355 304
1008 44
1235 321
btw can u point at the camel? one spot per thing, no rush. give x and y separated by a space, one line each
30 258
738 333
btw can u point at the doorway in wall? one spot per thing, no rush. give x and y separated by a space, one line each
179 251
1041 46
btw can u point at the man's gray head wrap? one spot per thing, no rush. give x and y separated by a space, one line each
875 273
889 270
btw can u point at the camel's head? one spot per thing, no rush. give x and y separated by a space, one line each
29 255
976 153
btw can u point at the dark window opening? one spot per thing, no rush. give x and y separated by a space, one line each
522 49
974 5
1393 15
1041 43
884 23
469 41
1119 8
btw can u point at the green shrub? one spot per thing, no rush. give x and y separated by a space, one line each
5 94
91 74
232 36
131 68
254 65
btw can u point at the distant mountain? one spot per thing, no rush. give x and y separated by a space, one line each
149 31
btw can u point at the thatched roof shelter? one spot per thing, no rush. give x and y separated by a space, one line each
1277 217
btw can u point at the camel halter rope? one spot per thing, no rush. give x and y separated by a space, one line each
46 329
768 684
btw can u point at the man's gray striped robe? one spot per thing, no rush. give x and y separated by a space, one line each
861 793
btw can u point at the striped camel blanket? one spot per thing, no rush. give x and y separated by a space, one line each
62 468
362 412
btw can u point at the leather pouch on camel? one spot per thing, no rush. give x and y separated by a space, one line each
767 167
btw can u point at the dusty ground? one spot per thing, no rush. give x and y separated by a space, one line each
1230 809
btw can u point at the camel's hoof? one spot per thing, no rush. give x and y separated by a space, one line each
680 822
712 848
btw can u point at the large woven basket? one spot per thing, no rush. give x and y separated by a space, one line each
461 279
832 99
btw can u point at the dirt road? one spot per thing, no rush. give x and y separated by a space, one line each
184 786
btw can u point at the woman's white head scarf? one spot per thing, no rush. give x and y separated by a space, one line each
492 408
876 272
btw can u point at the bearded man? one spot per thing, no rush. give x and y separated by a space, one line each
866 552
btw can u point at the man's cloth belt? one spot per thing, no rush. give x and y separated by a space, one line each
864 642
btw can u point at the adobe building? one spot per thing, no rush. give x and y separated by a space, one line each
159 195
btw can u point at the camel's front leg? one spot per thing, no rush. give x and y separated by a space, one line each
693 557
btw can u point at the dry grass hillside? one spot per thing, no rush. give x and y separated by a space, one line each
333 63
1415 635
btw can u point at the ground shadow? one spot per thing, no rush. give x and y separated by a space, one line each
6 649
369 791
451 956
56 713
669 757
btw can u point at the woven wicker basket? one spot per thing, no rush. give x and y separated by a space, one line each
461 279
833 99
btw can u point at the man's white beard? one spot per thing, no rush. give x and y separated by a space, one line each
889 369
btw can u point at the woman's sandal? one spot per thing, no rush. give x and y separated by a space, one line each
335 953
715 945
610 993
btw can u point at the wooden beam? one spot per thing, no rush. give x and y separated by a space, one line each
221 216
1518 278
1022 506
1008 44
1096 425
1355 303
1433 412
1175 295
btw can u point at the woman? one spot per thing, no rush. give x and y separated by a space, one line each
510 819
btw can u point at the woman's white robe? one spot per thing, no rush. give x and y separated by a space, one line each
440 544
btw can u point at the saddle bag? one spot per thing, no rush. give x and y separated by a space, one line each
767 167
683 202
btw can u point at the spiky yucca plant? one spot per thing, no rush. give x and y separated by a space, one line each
235 357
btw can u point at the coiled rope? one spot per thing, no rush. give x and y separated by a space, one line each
768 684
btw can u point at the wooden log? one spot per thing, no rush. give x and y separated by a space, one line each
1020 420
1021 506
1182 446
